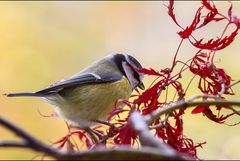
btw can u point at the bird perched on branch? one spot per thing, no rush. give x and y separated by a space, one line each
90 95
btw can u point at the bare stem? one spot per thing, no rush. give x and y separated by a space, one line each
187 104
233 84
28 140
175 56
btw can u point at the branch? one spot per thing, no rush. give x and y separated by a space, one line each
13 144
147 139
187 104
120 153
28 140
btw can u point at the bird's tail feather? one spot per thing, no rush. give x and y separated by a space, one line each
31 94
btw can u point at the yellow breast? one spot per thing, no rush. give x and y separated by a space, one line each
93 101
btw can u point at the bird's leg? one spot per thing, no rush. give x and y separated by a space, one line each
91 133
102 138
105 123
109 134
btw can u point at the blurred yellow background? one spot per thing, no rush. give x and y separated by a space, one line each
43 42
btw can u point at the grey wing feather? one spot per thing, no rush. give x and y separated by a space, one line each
88 78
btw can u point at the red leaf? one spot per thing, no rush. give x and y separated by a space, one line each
126 135
199 109
115 112
212 79
236 21
153 105
188 31
171 13
209 7
216 44
221 119
233 19
179 89
230 12
148 95
62 142
82 135
123 101
149 72
210 17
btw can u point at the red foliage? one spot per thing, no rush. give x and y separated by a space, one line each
171 13
213 80
210 7
217 44
66 140
125 135
122 132
199 109
218 119
153 72
188 31
173 135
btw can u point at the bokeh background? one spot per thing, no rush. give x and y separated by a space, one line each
43 42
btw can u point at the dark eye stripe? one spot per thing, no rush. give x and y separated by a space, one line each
134 61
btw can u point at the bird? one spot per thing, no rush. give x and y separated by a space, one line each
91 94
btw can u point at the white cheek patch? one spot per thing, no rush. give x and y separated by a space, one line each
141 77
130 75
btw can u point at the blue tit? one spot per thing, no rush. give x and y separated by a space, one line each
92 93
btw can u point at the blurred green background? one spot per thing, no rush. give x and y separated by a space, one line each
43 42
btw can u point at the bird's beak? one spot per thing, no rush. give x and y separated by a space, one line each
141 86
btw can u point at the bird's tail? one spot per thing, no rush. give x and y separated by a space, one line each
31 94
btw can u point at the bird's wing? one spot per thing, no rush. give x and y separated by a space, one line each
88 78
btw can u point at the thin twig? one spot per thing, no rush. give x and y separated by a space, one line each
161 124
233 84
187 104
175 56
13 144
28 140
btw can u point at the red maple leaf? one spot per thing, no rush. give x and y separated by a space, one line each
199 109
188 31
210 7
217 44
150 72
171 13
173 135
125 135
218 119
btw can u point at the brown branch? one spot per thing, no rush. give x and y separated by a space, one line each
233 84
13 144
146 138
120 153
28 140
187 104
152 147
